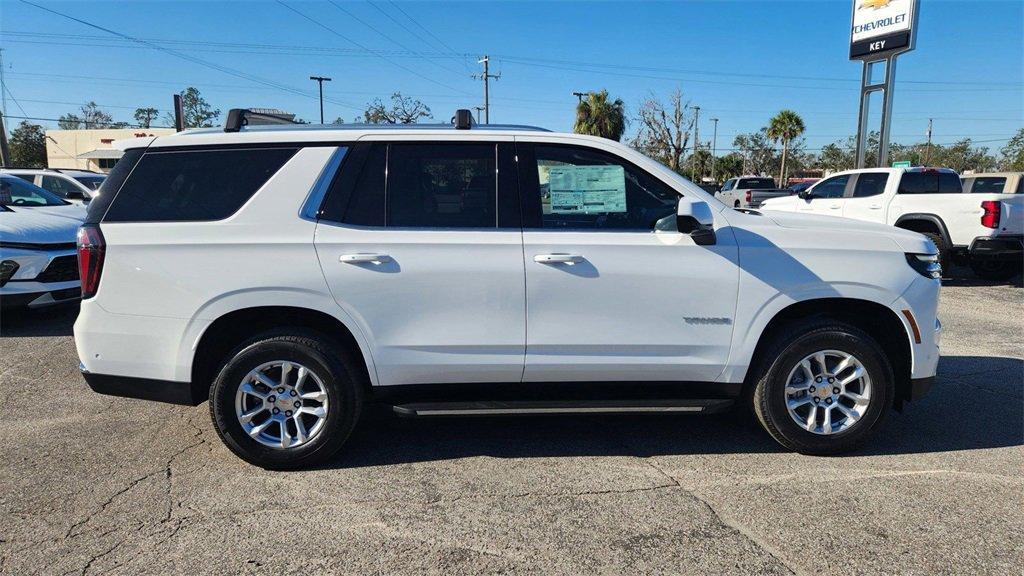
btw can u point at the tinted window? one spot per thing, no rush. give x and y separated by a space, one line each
582 188
831 188
930 183
111 184
442 186
17 192
366 205
58 186
987 185
728 185
91 182
756 183
194 185
870 184
30 178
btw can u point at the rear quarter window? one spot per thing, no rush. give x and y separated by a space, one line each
199 185
987 185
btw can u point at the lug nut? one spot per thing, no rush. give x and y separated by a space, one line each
288 413
293 393
835 390
816 399
818 379
811 388
280 390
298 404
275 410
271 398
828 400
831 380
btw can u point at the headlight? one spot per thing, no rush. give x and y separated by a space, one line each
927 265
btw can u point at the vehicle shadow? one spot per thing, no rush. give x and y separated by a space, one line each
962 276
976 403
54 321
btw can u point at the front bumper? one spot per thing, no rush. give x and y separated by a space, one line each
39 294
143 388
997 247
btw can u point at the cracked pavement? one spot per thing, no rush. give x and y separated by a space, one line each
98 485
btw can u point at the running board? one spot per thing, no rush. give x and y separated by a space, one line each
491 408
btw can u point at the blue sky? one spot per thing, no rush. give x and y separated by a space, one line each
740 61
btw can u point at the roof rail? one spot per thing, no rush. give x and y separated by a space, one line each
239 117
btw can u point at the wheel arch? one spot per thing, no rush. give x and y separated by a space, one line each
877 320
921 222
232 328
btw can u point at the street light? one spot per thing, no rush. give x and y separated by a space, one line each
320 80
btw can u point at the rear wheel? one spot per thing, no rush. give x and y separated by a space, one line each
997 270
286 399
940 244
825 388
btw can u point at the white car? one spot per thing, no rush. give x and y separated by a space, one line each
38 255
982 228
291 275
72 185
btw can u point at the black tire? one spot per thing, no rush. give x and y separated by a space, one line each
736 204
944 260
339 374
996 270
785 352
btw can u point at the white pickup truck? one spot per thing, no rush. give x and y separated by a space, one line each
749 191
983 230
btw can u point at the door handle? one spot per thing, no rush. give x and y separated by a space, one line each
835 207
364 258
875 207
569 259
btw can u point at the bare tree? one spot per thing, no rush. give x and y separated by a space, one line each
664 132
403 110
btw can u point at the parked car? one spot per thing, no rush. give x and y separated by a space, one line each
993 183
801 186
929 201
291 275
38 257
749 191
71 185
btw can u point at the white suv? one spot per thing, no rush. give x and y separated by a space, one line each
72 185
291 275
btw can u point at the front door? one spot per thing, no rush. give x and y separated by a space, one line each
826 197
608 298
866 200
413 248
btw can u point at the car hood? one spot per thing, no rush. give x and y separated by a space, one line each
38 226
75 210
910 242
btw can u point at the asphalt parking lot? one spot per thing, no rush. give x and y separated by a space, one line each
101 485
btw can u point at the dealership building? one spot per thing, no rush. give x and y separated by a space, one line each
91 149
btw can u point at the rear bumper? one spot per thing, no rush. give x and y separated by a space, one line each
997 247
144 389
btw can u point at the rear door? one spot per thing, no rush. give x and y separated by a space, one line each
608 297
421 243
865 197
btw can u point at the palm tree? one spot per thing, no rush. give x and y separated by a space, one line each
785 126
597 116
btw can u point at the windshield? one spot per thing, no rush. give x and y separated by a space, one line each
17 192
91 182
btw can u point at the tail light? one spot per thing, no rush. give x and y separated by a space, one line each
749 196
91 249
990 219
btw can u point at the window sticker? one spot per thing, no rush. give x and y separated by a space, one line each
586 189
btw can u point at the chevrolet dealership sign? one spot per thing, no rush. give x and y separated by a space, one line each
881 27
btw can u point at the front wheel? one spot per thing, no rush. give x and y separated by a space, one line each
826 387
286 399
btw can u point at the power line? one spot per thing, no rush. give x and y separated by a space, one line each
427 30
193 59
111 126
389 38
382 57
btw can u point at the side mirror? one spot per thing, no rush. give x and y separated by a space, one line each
75 195
694 217
805 194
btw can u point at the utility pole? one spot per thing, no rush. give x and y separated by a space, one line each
5 152
486 76
696 140
714 149
3 84
478 109
320 80
928 151
580 95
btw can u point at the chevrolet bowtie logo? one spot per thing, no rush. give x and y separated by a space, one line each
873 4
